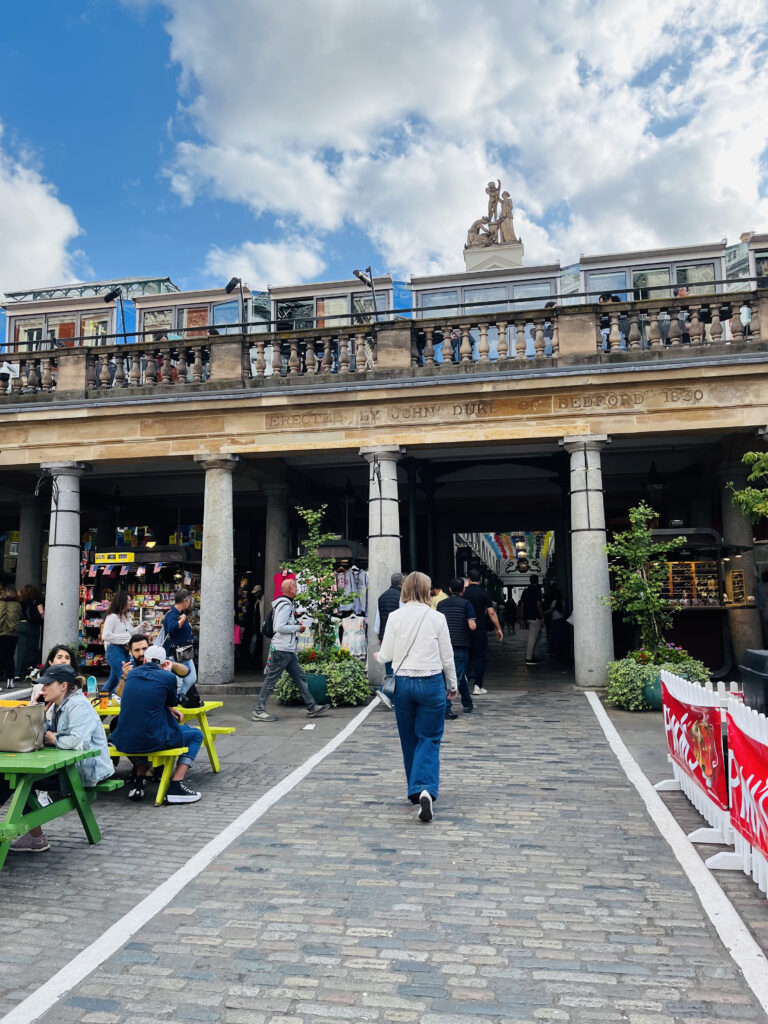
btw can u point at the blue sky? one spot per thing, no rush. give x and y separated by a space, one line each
290 142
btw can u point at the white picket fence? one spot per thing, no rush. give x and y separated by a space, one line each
729 699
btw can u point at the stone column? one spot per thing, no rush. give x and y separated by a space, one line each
592 622
383 536
744 623
29 564
217 580
62 587
276 540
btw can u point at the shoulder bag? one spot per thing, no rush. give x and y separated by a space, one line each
22 729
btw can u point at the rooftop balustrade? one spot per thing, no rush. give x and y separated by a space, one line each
536 341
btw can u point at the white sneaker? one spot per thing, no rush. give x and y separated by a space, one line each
425 802
478 690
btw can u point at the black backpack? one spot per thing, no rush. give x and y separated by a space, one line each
268 629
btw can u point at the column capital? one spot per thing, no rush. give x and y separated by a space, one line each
66 468
275 490
580 442
383 452
218 460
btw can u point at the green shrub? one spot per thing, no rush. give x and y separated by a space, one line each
626 679
347 682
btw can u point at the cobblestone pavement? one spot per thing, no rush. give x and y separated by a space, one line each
542 891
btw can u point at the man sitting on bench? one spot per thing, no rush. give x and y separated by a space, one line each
149 721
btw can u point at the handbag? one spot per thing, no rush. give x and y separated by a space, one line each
22 729
185 653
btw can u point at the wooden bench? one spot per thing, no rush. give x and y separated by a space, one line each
158 758
105 786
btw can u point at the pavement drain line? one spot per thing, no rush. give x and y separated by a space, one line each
732 930
40 1001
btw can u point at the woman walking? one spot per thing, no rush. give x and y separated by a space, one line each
417 642
10 615
116 633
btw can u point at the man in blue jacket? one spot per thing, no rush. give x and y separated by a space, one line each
149 721
282 657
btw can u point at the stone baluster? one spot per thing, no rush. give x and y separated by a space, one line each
675 331
447 349
466 344
343 353
181 365
150 374
294 363
17 383
104 378
46 379
695 327
737 327
483 348
134 377
33 380
715 327
310 358
360 357
614 335
755 325
518 342
555 337
119 380
539 345
429 348
633 338
654 334
197 365
326 364
260 364
502 347
165 370
90 371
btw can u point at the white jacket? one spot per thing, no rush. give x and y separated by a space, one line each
431 651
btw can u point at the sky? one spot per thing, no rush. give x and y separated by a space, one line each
295 141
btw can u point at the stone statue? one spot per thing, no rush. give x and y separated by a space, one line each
478 235
497 227
506 228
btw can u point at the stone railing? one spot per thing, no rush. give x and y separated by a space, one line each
30 376
531 340
308 354
136 366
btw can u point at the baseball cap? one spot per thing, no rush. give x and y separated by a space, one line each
155 653
57 674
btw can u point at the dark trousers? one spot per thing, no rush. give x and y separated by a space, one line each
7 652
478 655
460 661
279 662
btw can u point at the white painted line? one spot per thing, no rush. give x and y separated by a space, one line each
122 931
734 934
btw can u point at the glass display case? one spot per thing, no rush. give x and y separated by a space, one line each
694 584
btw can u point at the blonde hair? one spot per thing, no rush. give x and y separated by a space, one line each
416 587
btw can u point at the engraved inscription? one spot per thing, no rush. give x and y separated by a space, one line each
683 395
422 413
604 400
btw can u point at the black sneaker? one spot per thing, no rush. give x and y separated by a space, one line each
451 714
136 787
318 710
180 793
468 711
425 801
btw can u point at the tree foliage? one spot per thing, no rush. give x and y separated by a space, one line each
753 501
640 572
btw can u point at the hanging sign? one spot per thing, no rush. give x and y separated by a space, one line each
113 557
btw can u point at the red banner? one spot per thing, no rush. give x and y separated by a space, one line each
694 736
748 776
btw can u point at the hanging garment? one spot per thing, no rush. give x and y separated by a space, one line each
354 638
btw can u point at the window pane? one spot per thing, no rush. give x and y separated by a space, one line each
490 294
761 265
614 282
195 318
449 299
93 326
694 279
261 311
225 313
295 315
338 306
540 291
62 327
28 332
651 284
362 306
158 322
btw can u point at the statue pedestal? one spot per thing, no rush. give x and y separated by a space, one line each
494 257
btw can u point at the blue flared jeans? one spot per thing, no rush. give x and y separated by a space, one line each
420 715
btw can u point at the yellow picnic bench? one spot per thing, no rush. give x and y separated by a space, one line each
158 758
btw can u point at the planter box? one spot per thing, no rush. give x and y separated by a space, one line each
318 686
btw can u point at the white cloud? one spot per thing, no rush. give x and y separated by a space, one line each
35 227
261 264
391 118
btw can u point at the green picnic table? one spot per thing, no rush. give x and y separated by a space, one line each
23 812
